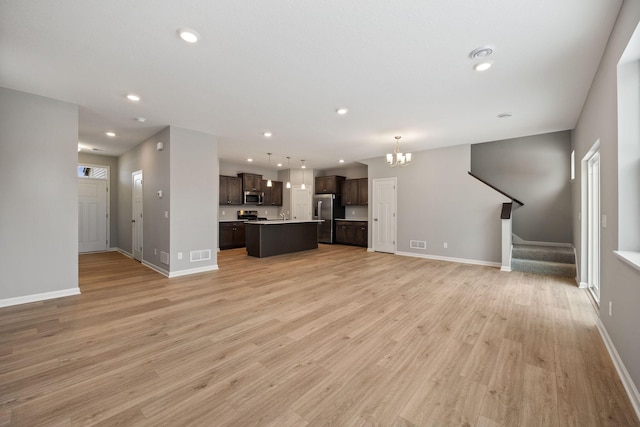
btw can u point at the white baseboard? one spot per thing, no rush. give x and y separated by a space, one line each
507 269
370 250
156 268
458 260
7 302
193 271
582 285
123 252
627 382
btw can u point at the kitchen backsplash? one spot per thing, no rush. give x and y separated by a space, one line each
231 212
356 212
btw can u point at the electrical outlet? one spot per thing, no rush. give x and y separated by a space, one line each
353 212
446 245
611 308
166 214
604 221
179 255
155 251
223 213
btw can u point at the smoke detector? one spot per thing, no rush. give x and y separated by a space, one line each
481 52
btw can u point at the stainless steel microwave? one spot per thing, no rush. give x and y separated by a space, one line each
253 198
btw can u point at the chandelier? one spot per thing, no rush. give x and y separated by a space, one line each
397 158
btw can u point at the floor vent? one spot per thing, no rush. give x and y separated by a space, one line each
417 244
203 255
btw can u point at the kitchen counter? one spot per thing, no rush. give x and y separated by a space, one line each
268 238
288 221
353 219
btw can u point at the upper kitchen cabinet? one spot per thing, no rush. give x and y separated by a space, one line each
273 194
251 182
328 184
230 190
355 192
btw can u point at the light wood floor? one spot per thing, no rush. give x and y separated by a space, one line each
335 336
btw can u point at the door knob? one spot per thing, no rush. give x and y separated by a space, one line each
375 219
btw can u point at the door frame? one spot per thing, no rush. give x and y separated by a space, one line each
375 182
589 222
133 224
108 198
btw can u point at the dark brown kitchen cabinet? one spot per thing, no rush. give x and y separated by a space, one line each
328 184
230 190
363 191
232 235
349 192
251 182
352 233
355 192
273 194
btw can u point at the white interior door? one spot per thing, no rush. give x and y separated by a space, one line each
384 215
593 225
136 221
301 204
92 215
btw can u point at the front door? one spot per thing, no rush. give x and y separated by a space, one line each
384 215
136 221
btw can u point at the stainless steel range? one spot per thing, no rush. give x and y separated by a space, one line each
250 216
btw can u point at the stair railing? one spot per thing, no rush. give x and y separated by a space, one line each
507 227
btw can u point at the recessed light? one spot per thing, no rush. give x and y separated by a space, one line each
342 111
341 161
481 52
267 134
279 165
482 66
249 160
133 97
504 115
110 134
188 35
140 119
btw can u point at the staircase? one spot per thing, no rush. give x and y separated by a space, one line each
551 260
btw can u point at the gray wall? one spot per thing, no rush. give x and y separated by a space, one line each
194 197
112 162
598 120
439 202
536 170
155 176
39 193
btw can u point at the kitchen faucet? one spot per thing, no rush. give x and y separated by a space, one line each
283 216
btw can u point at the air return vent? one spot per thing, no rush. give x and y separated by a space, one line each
202 255
417 244
164 257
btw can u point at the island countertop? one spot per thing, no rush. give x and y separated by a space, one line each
287 221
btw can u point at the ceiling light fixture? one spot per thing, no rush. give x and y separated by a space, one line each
110 134
288 185
267 134
481 52
269 183
482 66
249 160
140 119
504 115
133 97
341 161
303 168
188 35
342 111
279 165
397 158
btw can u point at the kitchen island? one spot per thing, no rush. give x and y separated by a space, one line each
277 237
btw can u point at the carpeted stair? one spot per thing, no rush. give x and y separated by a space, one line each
552 260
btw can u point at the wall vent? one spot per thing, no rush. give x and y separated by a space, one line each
164 257
202 255
417 244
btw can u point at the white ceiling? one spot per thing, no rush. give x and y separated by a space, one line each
401 67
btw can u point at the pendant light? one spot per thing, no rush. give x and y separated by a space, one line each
269 183
397 158
303 167
289 178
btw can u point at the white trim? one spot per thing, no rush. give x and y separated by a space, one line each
583 285
444 258
155 268
123 252
507 269
370 250
193 271
7 302
520 241
111 249
627 381
629 257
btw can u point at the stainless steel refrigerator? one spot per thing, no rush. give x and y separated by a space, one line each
327 207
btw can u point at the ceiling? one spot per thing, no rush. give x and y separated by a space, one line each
400 67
